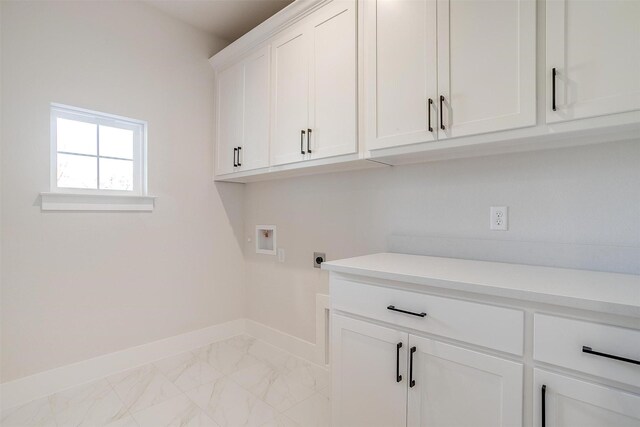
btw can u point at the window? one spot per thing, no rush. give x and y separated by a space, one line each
96 153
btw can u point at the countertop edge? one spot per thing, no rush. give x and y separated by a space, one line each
628 310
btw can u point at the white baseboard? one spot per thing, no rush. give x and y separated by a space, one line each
24 390
294 345
314 352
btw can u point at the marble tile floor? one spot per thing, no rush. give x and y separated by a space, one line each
241 381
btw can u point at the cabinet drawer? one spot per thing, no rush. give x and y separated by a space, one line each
485 325
560 341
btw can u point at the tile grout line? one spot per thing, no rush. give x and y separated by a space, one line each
184 392
126 408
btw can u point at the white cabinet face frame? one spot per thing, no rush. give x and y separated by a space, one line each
571 402
399 72
366 360
486 66
457 386
333 69
594 46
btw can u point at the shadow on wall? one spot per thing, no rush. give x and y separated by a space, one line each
232 197
616 259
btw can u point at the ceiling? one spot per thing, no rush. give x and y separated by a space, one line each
227 19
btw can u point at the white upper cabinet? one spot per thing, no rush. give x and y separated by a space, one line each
594 48
229 118
402 81
435 70
453 386
333 87
486 66
254 152
399 72
243 115
290 101
315 90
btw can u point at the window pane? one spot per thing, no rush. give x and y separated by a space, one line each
116 174
77 171
76 137
115 142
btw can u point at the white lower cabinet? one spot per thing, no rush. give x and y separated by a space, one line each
453 386
411 349
386 377
561 401
366 389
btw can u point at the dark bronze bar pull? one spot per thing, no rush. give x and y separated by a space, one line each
589 350
398 376
235 153
239 148
302 141
441 112
309 141
412 382
429 113
543 391
393 308
553 88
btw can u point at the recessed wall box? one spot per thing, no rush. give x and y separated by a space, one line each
266 239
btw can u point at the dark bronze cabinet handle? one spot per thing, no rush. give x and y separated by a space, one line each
239 148
398 376
543 405
302 141
308 141
589 350
441 112
553 88
429 113
235 154
393 308
412 382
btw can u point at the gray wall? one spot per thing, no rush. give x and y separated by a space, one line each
576 207
78 285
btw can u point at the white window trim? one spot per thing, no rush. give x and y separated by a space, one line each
95 202
79 199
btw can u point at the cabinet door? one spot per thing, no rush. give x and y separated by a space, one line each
462 388
290 101
255 138
333 92
399 72
229 118
486 65
570 402
366 391
595 48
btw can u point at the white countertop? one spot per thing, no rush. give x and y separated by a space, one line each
590 290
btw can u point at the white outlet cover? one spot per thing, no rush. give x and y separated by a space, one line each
499 218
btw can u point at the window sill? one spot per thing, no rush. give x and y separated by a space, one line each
95 202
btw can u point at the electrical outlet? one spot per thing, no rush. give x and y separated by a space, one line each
318 258
499 218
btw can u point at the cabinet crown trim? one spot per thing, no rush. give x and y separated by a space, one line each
288 16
